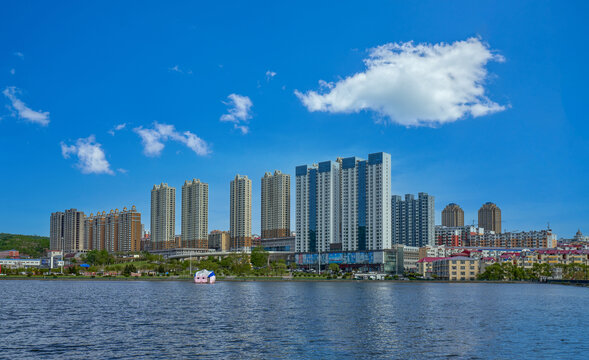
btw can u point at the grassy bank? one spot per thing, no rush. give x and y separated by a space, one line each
257 278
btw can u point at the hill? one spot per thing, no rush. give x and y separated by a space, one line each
31 245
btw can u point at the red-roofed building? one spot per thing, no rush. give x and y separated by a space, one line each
9 254
424 266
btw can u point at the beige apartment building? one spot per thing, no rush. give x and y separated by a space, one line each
195 214
241 212
490 217
456 268
219 240
111 231
129 230
275 214
452 215
98 230
163 216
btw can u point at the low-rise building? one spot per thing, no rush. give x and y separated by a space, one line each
220 240
425 266
278 244
410 257
9 254
456 268
388 261
20 263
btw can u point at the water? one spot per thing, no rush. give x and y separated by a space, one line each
143 319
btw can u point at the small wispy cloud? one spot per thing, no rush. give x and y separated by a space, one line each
117 128
91 158
21 110
177 69
122 171
12 71
153 139
238 112
270 75
19 54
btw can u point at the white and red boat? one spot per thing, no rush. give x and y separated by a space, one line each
204 277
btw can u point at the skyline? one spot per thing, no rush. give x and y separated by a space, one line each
170 93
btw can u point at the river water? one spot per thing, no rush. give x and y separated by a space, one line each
173 319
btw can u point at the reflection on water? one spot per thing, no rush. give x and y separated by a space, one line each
109 319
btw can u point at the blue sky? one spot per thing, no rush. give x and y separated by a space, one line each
509 127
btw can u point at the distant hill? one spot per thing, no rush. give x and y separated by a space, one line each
31 245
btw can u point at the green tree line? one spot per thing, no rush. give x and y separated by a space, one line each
31 245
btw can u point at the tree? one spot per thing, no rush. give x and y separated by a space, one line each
96 257
334 268
129 268
279 266
493 272
161 269
259 257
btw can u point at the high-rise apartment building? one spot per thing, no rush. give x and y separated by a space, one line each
129 230
275 207
366 214
56 230
73 230
413 220
318 207
452 216
163 216
490 217
111 231
195 214
241 212
89 232
98 231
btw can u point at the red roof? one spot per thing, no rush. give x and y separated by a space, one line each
430 259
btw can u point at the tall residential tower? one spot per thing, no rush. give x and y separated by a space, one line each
163 216
275 213
452 215
366 214
413 220
490 217
241 212
318 206
195 214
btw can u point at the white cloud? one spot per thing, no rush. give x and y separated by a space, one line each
117 128
91 159
153 139
19 54
122 171
12 71
177 69
270 75
414 85
23 111
239 112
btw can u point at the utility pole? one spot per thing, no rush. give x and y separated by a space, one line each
319 247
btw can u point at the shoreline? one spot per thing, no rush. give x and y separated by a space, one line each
261 279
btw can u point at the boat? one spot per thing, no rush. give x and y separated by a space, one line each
204 277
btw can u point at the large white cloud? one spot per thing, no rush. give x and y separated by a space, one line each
238 112
91 158
22 110
414 84
153 139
